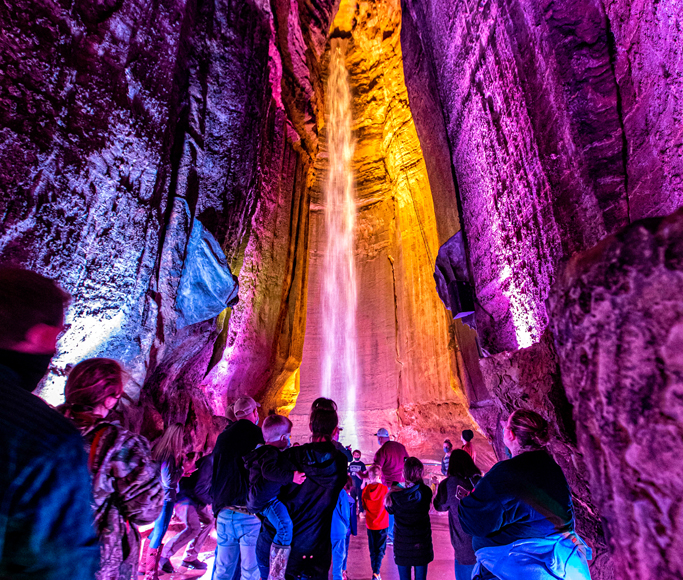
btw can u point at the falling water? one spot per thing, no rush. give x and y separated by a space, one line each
340 358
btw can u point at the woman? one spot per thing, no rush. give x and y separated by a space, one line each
126 487
413 529
521 515
467 445
168 451
462 476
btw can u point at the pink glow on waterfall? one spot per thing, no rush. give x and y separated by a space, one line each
339 379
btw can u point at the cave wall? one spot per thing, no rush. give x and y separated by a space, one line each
559 122
124 121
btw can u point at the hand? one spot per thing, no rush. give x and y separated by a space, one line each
299 477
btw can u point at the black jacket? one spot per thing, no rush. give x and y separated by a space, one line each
447 500
412 527
46 520
311 506
230 477
523 497
269 470
197 487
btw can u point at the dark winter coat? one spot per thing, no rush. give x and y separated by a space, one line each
269 470
412 527
46 522
447 500
127 492
229 484
523 497
197 486
310 506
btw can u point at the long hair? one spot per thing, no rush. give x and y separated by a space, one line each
530 429
90 383
462 465
170 446
413 470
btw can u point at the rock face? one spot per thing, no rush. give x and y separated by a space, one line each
409 378
617 318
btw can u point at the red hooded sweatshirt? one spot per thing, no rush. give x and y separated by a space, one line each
376 516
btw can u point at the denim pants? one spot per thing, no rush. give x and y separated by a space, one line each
390 529
161 524
338 558
198 525
276 513
346 552
377 542
237 534
404 572
463 571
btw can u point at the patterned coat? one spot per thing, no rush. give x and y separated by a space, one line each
127 492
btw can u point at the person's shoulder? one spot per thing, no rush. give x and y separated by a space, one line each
31 419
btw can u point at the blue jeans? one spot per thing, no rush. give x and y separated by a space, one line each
237 534
346 552
404 572
390 530
338 558
161 524
463 571
377 542
276 513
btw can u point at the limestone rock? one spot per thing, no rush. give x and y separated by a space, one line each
617 319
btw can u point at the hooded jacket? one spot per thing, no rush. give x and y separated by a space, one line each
197 487
310 505
447 500
413 529
46 523
269 470
376 515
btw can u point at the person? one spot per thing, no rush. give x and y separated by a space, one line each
353 521
311 504
168 451
390 457
192 507
329 404
356 467
521 515
376 518
46 523
447 449
467 445
462 476
341 530
237 527
410 506
127 490
268 471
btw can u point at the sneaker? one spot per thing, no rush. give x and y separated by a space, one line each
195 564
390 542
166 565
376 576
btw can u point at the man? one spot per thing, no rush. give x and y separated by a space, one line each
46 522
311 504
390 458
237 528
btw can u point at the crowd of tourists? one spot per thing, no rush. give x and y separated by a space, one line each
75 485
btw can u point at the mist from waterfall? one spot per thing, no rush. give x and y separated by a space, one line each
340 352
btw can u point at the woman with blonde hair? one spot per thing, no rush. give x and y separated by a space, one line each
126 487
168 452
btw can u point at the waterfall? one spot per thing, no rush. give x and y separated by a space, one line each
340 358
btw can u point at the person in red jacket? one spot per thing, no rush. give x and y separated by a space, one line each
376 518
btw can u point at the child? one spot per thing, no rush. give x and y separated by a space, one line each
467 436
413 532
341 531
356 467
268 471
376 518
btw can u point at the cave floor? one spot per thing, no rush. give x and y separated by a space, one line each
358 561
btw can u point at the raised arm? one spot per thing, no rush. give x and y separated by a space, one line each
441 501
481 512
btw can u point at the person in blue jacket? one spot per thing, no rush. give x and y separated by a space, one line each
520 514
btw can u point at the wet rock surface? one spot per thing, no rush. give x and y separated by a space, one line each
617 319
